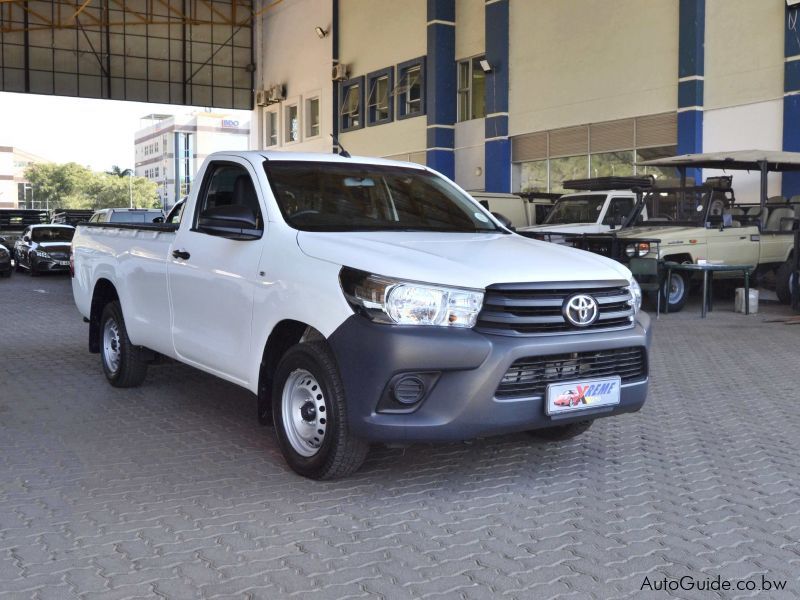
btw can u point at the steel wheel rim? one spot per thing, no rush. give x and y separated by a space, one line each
304 415
677 288
112 353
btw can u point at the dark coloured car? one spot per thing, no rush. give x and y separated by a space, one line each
44 248
5 258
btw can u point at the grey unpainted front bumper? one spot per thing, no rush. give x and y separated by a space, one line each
462 404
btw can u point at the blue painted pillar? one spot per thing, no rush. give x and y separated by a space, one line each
791 97
691 68
497 146
441 87
335 61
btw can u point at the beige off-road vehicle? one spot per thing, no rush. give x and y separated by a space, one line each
705 223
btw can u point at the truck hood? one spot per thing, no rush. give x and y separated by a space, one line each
567 228
663 233
473 260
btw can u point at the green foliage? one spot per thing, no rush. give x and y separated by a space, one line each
72 186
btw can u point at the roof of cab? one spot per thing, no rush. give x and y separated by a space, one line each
255 155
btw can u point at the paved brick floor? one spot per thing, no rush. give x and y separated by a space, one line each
172 490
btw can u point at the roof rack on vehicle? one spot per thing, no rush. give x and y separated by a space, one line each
609 183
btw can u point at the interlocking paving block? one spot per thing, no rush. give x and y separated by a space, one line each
172 489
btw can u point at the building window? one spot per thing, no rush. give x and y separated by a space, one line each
379 106
352 105
156 172
271 128
410 89
312 117
471 89
292 123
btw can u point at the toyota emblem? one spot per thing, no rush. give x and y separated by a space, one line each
581 310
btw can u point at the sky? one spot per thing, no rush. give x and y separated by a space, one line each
94 133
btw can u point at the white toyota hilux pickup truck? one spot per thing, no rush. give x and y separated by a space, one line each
362 301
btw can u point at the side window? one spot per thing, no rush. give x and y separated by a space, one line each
618 211
228 185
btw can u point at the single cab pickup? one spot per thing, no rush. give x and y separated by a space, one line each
364 300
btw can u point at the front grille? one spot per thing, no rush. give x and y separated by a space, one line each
529 377
538 308
59 255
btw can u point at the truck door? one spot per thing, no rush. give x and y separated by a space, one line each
212 278
730 238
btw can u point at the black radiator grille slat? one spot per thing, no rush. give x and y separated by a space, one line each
529 377
531 309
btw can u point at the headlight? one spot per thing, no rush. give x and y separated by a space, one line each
388 300
636 296
41 254
637 249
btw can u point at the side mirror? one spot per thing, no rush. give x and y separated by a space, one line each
232 221
26 238
158 220
504 220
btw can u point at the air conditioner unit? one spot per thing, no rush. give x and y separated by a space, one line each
339 72
261 98
277 93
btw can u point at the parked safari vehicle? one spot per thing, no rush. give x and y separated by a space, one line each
44 248
603 204
707 223
363 300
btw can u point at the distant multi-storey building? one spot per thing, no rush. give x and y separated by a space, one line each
15 190
170 148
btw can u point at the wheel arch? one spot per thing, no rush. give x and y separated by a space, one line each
680 257
283 336
103 293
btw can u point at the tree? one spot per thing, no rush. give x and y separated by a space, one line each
72 186
117 172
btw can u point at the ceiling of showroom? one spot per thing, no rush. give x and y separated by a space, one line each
193 52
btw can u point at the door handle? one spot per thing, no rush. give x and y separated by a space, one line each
182 254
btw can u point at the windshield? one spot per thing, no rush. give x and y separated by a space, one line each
681 207
317 196
577 209
52 234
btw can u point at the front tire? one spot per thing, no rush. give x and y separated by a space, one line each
562 432
123 363
676 291
309 410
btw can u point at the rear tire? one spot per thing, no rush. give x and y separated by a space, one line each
124 364
562 432
309 410
783 282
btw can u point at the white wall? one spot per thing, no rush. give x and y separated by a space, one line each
743 51
586 61
289 52
470 153
756 126
470 28
375 34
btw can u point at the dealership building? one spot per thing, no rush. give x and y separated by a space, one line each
170 148
513 95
